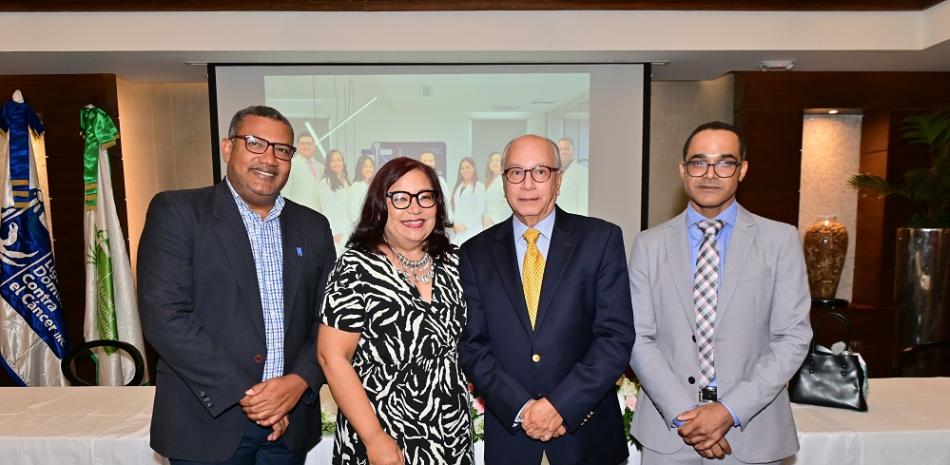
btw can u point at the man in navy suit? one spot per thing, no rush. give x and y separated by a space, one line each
550 325
230 282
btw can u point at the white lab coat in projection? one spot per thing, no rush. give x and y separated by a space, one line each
469 208
574 185
302 186
335 205
358 192
496 205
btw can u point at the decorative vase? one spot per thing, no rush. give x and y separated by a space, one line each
826 243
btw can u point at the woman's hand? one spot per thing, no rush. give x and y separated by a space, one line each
381 449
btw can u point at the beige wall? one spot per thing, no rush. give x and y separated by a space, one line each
166 144
677 107
831 146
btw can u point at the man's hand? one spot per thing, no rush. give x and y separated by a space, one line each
542 421
705 425
268 401
719 450
279 428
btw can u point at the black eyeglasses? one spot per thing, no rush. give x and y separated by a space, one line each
539 173
258 145
698 167
402 199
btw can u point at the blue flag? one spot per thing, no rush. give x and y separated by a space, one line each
28 273
33 337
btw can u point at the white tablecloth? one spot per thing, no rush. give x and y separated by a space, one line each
908 422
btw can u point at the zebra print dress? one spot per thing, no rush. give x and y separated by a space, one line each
407 357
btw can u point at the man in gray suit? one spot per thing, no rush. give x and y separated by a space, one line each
720 303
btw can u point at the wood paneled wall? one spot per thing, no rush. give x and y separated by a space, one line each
769 108
58 99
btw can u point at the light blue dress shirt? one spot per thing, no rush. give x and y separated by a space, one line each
267 250
545 227
695 236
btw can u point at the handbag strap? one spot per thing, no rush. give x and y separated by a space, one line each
835 316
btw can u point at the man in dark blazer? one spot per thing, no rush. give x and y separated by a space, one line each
549 322
230 282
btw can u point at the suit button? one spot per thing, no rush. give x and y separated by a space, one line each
258 358
209 404
691 380
536 358
694 338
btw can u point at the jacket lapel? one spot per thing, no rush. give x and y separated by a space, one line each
743 236
681 274
237 249
292 238
559 255
506 262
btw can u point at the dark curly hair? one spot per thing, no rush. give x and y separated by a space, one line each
368 234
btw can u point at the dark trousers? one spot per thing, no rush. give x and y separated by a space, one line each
255 449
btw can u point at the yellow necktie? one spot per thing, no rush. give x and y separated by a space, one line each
532 273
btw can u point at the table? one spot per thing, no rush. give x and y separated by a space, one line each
908 422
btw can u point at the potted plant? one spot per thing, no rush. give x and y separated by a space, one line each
927 188
922 265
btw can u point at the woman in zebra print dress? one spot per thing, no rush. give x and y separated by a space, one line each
392 317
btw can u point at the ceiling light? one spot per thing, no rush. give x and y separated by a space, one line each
832 112
776 65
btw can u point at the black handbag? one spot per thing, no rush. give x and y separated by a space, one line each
830 380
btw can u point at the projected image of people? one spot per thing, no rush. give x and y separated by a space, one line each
305 174
362 176
496 206
468 202
334 192
573 196
353 120
428 159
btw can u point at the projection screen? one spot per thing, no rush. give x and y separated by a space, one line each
451 115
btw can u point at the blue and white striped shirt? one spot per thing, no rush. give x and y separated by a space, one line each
267 249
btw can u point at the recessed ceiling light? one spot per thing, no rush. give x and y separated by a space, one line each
832 112
776 65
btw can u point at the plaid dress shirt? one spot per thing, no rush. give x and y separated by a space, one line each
267 249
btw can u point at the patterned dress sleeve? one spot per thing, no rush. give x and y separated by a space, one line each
344 306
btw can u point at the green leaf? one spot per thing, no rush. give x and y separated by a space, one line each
928 188
931 129
871 184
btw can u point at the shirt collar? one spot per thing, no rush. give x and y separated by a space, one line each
728 216
245 210
545 226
